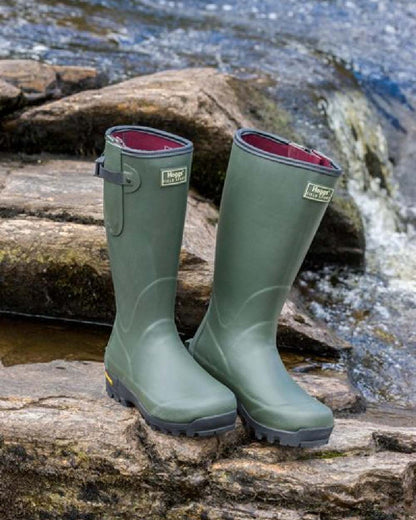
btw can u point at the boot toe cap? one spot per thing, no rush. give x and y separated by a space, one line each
294 417
191 408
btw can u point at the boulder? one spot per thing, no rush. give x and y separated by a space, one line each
34 79
52 241
68 451
37 81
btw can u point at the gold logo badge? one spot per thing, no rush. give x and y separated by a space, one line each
173 176
318 193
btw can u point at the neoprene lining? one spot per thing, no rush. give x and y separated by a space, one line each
289 150
140 140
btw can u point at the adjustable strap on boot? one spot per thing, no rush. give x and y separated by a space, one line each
111 176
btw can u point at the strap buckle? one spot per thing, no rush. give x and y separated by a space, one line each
109 175
98 164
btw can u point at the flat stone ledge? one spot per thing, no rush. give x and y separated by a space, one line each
78 452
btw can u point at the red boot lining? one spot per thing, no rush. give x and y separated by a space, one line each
141 140
285 150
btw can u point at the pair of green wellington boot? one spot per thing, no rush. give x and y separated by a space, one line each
274 197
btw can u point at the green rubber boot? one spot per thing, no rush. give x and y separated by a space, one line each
146 174
274 197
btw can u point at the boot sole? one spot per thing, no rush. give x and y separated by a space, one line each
203 427
303 438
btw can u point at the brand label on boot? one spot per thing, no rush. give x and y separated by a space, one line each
173 176
318 193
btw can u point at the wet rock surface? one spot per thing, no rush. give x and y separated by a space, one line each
360 138
295 325
67 449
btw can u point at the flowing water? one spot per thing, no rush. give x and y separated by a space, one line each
302 43
126 37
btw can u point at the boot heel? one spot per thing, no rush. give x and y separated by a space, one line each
116 390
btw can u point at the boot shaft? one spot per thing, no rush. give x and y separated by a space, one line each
270 211
144 219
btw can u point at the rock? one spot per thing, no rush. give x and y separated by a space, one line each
296 325
361 141
197 103
235 512
72 79
351 436
171 451
68 451
383 483
398 441
38 81
340 238
336 392
61 435
400 130
47 187
10 97
53 242
61 268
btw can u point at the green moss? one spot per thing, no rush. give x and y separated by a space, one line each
349 210
76 285
333 454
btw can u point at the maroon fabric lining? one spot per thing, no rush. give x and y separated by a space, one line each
285 150
140 140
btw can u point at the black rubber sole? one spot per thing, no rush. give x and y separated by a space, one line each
203 427
304 438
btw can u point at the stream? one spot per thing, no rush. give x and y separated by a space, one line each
298 43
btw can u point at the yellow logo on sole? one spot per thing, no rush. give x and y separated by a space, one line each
108 377
173 176
318 193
